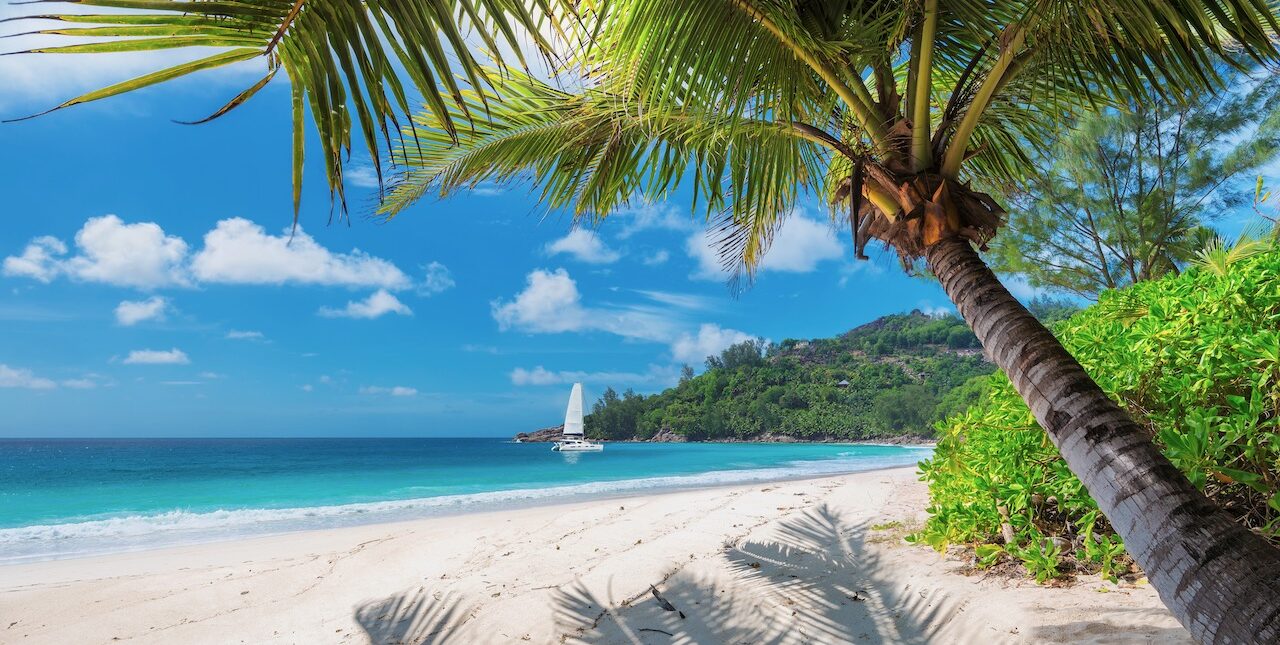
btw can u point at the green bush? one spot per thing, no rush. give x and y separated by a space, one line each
1195 358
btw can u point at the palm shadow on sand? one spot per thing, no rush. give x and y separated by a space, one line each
413 617
813 581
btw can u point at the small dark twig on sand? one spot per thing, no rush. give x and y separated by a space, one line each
664 603
650 629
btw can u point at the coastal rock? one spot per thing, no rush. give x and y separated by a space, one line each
666 435
553 433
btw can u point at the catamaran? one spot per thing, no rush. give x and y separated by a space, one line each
574 439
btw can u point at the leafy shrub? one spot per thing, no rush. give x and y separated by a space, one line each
1195 358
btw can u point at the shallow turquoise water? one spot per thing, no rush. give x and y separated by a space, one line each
63 498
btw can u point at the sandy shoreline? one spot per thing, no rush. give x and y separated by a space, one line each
787 562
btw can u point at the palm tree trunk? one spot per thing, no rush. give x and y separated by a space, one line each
1219 579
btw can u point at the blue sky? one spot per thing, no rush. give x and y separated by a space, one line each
148 287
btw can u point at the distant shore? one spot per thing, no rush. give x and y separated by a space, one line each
813 560
555 433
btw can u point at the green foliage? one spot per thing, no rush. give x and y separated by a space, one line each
795 388
1124 195
1194 357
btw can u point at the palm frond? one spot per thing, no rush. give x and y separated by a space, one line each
340 55
1218 255
594 152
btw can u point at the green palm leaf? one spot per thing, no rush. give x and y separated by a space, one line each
594 152
341 55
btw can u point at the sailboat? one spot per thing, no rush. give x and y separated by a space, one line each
574 439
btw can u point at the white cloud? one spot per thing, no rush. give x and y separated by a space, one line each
377 304
934 310
157 357
398 390
308 388
132 312
681 300
585 247
80 383
650 217
134 255
710 340
799 246
550 303
656 375
211 375
39 261
436 279
237 334
238 251
14 377
108 251
361 175
659 257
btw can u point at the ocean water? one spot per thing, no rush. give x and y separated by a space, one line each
68 498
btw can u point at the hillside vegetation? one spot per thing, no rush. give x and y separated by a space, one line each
893 377
1195 358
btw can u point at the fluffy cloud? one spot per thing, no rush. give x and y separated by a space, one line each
157 357
14 377
799 246
238 251
39 261
710 340
132 312
237 334
377 304
435 279
584 246
108 251
656 375
398 390
550 303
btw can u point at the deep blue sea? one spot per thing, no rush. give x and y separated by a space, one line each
66 498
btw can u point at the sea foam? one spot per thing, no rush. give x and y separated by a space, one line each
178 527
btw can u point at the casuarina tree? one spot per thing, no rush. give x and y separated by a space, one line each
886 109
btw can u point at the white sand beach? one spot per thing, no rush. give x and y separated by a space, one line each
790 562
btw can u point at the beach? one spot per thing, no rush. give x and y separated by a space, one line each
817 560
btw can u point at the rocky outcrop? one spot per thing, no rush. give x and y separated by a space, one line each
666 435
554 433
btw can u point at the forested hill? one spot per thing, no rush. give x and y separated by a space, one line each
889 378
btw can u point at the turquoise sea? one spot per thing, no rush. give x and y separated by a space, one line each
66 498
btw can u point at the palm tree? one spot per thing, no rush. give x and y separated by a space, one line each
884 108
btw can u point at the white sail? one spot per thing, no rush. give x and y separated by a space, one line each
573 415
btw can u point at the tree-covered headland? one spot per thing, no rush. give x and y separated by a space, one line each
893 377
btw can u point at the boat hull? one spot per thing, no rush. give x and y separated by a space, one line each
577 446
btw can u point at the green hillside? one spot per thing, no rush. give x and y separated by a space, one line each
892 377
